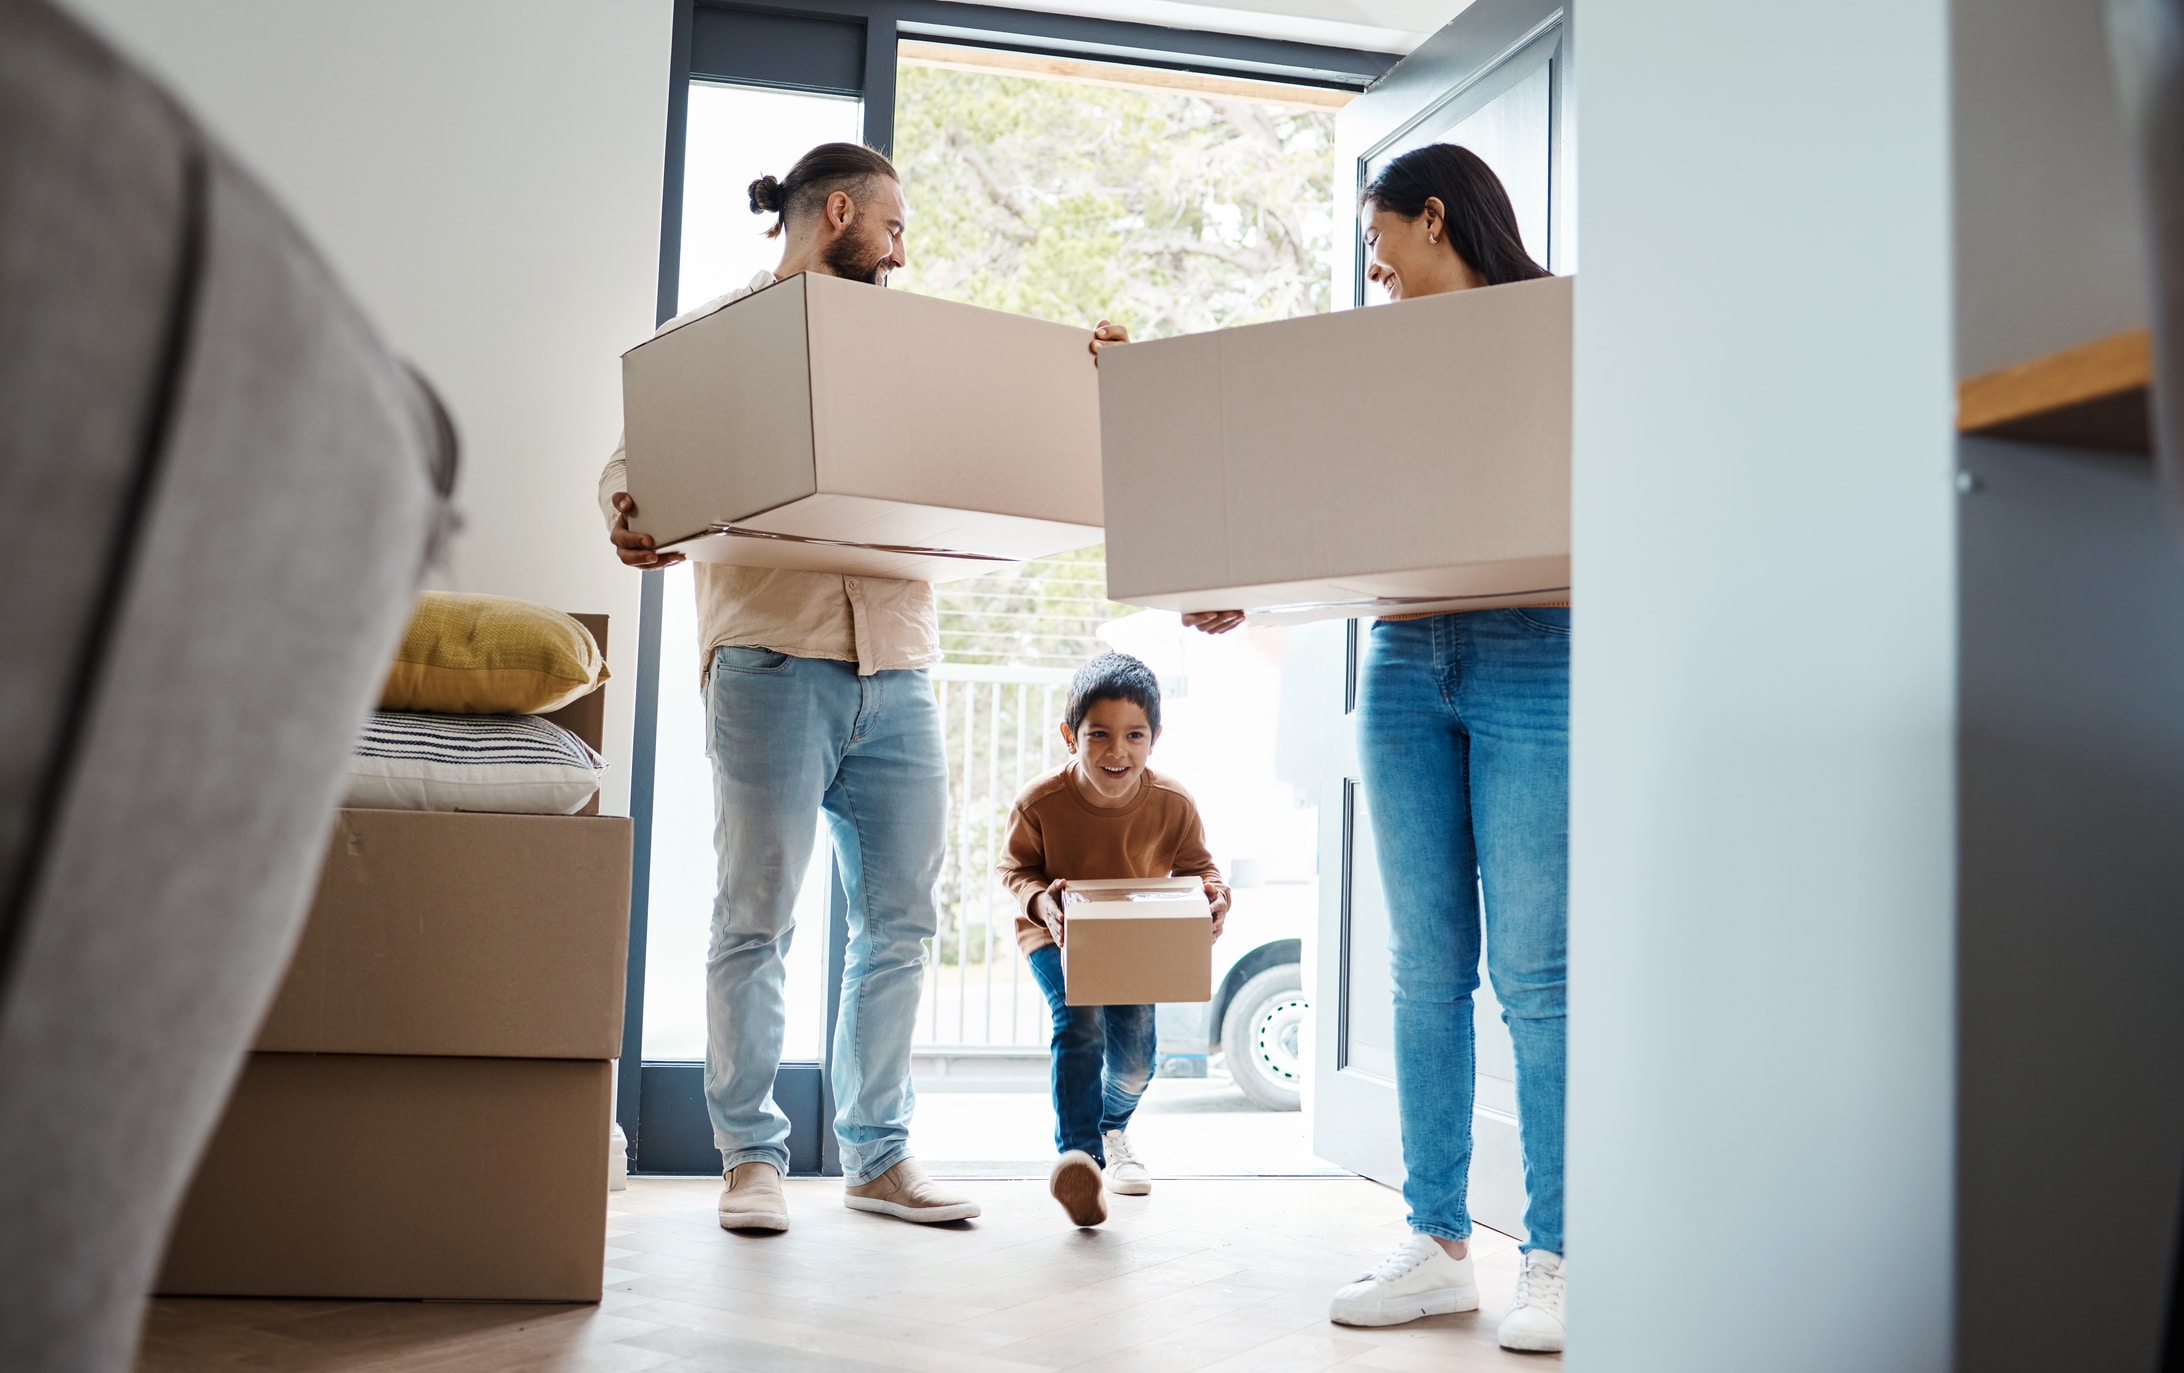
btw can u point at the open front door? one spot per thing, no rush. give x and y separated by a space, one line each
1498 81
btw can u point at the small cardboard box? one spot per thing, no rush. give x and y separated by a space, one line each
1137 942
462 933
343 1175
1409 457
836 426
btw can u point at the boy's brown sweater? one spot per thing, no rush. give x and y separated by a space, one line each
1054 832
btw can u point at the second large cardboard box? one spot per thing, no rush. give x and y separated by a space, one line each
1137 942
348 1175
840 427
454 932
1409 457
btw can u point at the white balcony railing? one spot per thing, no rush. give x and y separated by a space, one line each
999 724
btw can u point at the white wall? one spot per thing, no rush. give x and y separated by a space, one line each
1760 1147
485 177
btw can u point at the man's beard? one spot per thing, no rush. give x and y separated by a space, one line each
856 260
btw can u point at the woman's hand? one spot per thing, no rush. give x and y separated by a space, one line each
1213 621
631 547
1106 335
1047 908
1217 896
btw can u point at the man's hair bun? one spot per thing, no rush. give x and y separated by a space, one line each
766 196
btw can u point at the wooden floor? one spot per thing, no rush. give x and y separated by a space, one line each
1207 1274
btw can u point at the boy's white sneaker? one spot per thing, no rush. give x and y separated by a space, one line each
1534 1322
1075 1183
1126 1177
1418 1279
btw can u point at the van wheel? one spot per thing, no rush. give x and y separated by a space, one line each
1262 1037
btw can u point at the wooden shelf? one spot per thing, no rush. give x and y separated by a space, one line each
2092 396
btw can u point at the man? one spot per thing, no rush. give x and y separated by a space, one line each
817 701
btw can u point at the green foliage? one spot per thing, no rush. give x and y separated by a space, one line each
1074 202
1169 213
1038 614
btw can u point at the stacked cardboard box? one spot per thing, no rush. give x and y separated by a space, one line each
426 1110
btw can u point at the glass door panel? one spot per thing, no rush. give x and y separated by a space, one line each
736 133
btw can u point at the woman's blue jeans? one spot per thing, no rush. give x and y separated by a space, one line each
1464 738
1103 1061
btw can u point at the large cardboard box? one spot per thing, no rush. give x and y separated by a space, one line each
439 932
345 1175
1409 457
836 426
1137 942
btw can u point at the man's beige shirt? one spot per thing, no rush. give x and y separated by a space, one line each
878 623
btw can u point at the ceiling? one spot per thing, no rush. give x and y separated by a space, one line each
1373 25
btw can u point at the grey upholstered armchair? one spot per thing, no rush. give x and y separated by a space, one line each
217 491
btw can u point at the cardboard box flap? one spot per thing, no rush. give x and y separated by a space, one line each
1141 896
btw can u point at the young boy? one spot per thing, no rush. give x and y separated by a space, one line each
1101 814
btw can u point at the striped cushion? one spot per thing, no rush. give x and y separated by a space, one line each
519 763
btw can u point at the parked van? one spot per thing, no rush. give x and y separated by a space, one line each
1256 1018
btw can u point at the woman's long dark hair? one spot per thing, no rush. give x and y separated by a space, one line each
828 168
1482 227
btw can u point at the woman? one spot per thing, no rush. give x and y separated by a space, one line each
1463 732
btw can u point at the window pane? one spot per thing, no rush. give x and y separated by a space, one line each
735 135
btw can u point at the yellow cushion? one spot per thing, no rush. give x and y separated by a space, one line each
490 655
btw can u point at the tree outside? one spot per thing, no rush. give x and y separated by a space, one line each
1075 202
1072 201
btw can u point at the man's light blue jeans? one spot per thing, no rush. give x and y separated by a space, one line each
790 738
1464 738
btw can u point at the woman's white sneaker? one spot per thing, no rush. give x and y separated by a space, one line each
1534 1322
1126 1177
1418 1279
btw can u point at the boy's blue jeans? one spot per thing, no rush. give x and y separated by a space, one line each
791 738
1463 734
1103 1061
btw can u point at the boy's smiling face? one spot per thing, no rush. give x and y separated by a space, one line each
1111 745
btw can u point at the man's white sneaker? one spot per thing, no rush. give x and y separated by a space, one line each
1418 1279
1126 1177
1534 1322
906 1193
751 1198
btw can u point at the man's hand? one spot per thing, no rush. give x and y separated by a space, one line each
1217 896
1213 621
1106 335
634 549
1047 908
